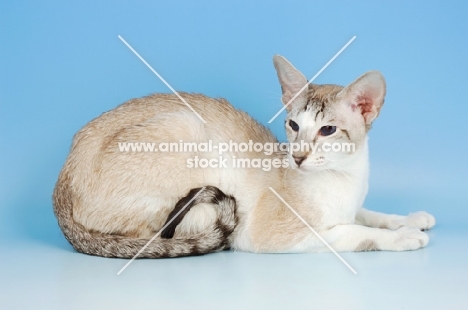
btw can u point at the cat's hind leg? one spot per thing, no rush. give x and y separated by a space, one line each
421 220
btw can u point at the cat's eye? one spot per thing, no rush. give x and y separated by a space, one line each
327 130
294 126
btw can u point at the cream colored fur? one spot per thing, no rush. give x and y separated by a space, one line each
131 193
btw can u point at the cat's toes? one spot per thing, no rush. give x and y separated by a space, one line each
410 239
421 220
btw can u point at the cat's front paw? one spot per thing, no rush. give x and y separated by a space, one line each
421 220
407 239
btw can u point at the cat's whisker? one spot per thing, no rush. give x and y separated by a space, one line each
116 190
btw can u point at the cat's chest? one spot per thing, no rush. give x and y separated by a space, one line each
338 199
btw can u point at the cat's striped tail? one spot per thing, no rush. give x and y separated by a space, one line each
214 238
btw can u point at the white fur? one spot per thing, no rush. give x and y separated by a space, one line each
132 194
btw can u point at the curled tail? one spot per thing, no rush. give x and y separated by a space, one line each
207 194
96 243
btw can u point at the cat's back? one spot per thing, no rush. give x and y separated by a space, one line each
96 156
167 113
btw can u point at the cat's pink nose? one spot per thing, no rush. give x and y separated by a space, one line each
299 159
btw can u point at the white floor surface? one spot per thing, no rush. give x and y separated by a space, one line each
52 276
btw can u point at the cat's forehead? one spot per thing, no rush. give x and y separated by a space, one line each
320 98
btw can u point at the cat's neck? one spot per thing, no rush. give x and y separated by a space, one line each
355 172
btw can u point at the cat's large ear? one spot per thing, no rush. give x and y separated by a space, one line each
367 93
291 80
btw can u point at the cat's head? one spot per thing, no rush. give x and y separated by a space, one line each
335 119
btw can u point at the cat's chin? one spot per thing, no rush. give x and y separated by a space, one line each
310 169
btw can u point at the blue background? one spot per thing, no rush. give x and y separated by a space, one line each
61 64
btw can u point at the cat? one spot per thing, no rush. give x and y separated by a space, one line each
110 203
